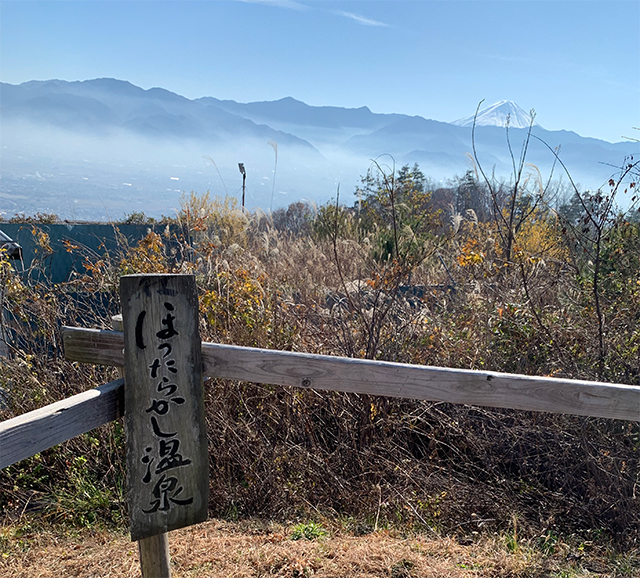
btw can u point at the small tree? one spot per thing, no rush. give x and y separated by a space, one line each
602 235
514 202
395 205
296 219
387 235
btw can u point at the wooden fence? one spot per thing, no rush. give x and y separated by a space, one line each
28 434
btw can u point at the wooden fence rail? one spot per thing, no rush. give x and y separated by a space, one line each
483 388
36 431
28 434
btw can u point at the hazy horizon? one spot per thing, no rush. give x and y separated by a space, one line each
433 59
75 158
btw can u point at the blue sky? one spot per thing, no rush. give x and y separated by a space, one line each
576 63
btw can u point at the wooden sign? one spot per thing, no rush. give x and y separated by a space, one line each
167 458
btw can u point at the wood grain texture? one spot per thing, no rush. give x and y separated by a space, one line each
36 431
167 457
154 556
95 346
490 389
483 388
155 560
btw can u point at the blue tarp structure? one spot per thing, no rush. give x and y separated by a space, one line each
91 238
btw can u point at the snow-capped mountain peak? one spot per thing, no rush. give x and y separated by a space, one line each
497 115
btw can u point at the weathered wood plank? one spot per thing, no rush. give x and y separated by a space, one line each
483 388
155 561
489 389
36 431
167 457
95 346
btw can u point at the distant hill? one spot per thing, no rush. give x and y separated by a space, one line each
105 104
292 111
113 146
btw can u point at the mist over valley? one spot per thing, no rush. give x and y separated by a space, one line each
104 148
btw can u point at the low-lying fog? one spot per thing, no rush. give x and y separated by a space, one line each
82 177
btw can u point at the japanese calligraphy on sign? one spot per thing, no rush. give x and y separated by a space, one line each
167 460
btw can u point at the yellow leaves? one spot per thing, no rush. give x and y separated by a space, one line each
10 283
238 299
217 217
554 373
389 278
96 268
147 257
69 247
472 258
539 238
42 241
470 254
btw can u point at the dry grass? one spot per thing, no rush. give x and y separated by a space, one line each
238 550
281 453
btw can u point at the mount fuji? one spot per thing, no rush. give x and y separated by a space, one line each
499 114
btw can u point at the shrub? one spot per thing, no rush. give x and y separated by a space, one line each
283 452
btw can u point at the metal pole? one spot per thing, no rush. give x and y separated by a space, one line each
243 172
244 180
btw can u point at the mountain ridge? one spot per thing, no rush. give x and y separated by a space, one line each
122 99
484 117
132 136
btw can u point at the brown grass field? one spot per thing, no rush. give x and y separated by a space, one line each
218 549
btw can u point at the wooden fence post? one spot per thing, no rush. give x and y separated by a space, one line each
167 458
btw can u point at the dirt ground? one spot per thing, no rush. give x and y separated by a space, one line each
219 549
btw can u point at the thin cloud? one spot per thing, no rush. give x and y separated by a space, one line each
296 5
361 19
